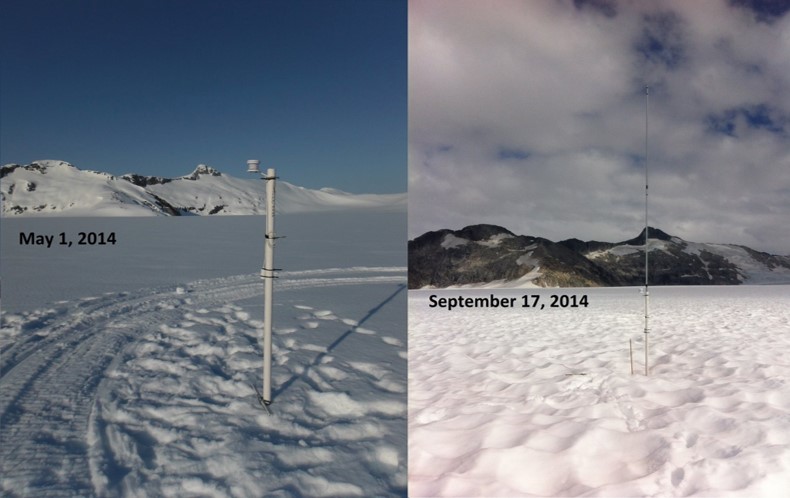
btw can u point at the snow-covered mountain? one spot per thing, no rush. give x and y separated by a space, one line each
57 188
492 256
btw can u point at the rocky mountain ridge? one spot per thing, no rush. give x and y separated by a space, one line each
492 256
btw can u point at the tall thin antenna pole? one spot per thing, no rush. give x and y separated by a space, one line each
647 292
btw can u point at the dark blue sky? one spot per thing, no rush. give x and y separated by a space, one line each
316 89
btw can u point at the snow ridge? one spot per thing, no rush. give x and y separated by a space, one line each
58 188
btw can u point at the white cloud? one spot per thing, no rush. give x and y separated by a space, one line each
530 115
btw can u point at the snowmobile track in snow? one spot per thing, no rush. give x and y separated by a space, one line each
51 372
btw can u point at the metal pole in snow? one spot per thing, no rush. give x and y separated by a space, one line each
647 292
267 272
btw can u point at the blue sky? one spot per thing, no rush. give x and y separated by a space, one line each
316 89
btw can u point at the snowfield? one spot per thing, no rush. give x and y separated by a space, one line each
48 188
541 402
146 390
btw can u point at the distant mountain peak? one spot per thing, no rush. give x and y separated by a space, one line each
40 166
483 231
654 233
201 170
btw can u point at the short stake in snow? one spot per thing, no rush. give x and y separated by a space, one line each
267 273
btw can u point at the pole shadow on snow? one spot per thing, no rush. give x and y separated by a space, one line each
336 343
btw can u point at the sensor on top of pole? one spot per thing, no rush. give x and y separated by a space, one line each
252 166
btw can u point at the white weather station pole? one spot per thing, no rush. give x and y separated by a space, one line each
267 274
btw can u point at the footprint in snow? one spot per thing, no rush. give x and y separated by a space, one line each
324 315
392 341
314 347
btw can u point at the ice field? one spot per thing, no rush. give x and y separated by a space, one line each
541 402
127 369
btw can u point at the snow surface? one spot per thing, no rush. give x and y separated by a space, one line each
626 249
66 190
541 402
166 250
527 260
242 196
451 241
495 240
145 390
753 271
